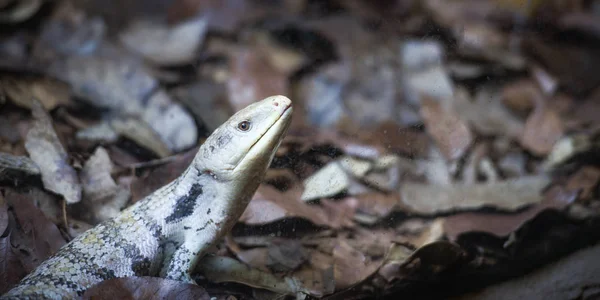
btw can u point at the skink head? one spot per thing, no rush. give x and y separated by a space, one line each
247 142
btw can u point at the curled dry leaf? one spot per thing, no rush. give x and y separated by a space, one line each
16 167
141 133
502 225
145 288
452 136
163 43
504 195
46 151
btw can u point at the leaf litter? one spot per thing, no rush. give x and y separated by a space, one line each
436 148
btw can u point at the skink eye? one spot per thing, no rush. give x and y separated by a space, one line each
244 126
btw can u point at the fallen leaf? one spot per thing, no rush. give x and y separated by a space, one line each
520 96
95 177
37 237
141 133
505 195
163 43
252 77
351 266
502 225
46 151
285 255
329 181
207 101
51 93
451 134
424 72
543 129
11 269
486 113
120 83
270 205
377 204
145 288
225 269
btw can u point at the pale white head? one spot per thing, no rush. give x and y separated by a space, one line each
246 143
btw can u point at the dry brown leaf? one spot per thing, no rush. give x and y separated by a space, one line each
270 205
503 224
145 288
51 93
252 77
543 129
486 113
225 269
452 136
285 255
351 266
377 204
11 269
46 151
505 195
520 96
38 237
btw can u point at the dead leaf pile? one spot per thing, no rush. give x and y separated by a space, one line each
437 147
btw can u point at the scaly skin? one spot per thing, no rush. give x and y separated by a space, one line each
166 233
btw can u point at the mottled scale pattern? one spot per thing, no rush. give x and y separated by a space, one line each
166 233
